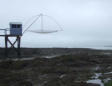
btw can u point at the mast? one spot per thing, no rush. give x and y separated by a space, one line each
42 23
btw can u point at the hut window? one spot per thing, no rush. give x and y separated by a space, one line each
18 26
13 26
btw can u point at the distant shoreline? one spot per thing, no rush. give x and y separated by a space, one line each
83 48
42 52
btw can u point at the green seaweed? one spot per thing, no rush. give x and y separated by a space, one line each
109 83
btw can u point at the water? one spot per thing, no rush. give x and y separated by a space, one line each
95 79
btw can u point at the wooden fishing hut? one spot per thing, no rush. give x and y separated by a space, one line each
14 31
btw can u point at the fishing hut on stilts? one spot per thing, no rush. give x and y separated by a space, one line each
15 31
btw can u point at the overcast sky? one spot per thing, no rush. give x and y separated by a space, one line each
84 22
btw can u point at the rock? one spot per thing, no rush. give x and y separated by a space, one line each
88 84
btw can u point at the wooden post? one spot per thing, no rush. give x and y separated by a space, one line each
18 41
6 45
18 45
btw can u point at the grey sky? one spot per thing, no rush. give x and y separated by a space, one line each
85 22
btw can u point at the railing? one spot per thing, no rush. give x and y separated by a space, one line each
5 31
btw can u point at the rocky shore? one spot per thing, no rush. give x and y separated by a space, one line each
68 67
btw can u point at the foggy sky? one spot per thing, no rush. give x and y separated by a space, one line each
85 23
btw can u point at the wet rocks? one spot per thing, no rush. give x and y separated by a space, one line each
88 84
72 69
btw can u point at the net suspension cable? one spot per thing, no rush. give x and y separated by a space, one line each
38 16
42 24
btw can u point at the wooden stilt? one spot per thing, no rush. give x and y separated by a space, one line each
15 45
6 46
18 45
